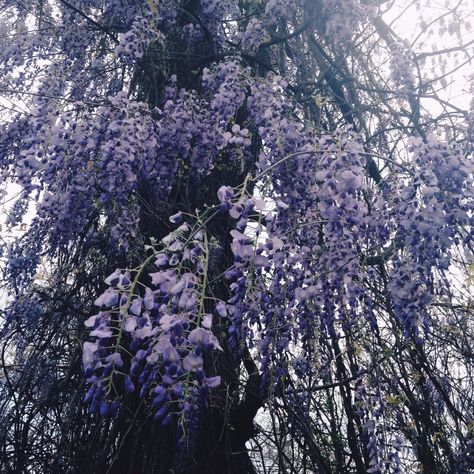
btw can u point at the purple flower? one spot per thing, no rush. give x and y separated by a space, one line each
225 194
192 362
88 352
198 336
212 382
128 384
221 309
176 218
108 299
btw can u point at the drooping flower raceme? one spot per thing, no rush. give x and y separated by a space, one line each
152 338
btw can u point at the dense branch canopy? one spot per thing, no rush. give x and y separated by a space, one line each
231 208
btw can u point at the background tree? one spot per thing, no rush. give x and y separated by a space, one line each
237 205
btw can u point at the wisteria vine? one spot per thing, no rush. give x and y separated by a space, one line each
227 220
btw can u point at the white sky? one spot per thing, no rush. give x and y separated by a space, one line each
406 18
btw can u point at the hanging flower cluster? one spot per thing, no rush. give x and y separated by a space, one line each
254 35
322 283
431 212
153 338
403 70
343 18
134 43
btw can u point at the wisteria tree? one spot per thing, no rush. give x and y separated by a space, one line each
249 238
